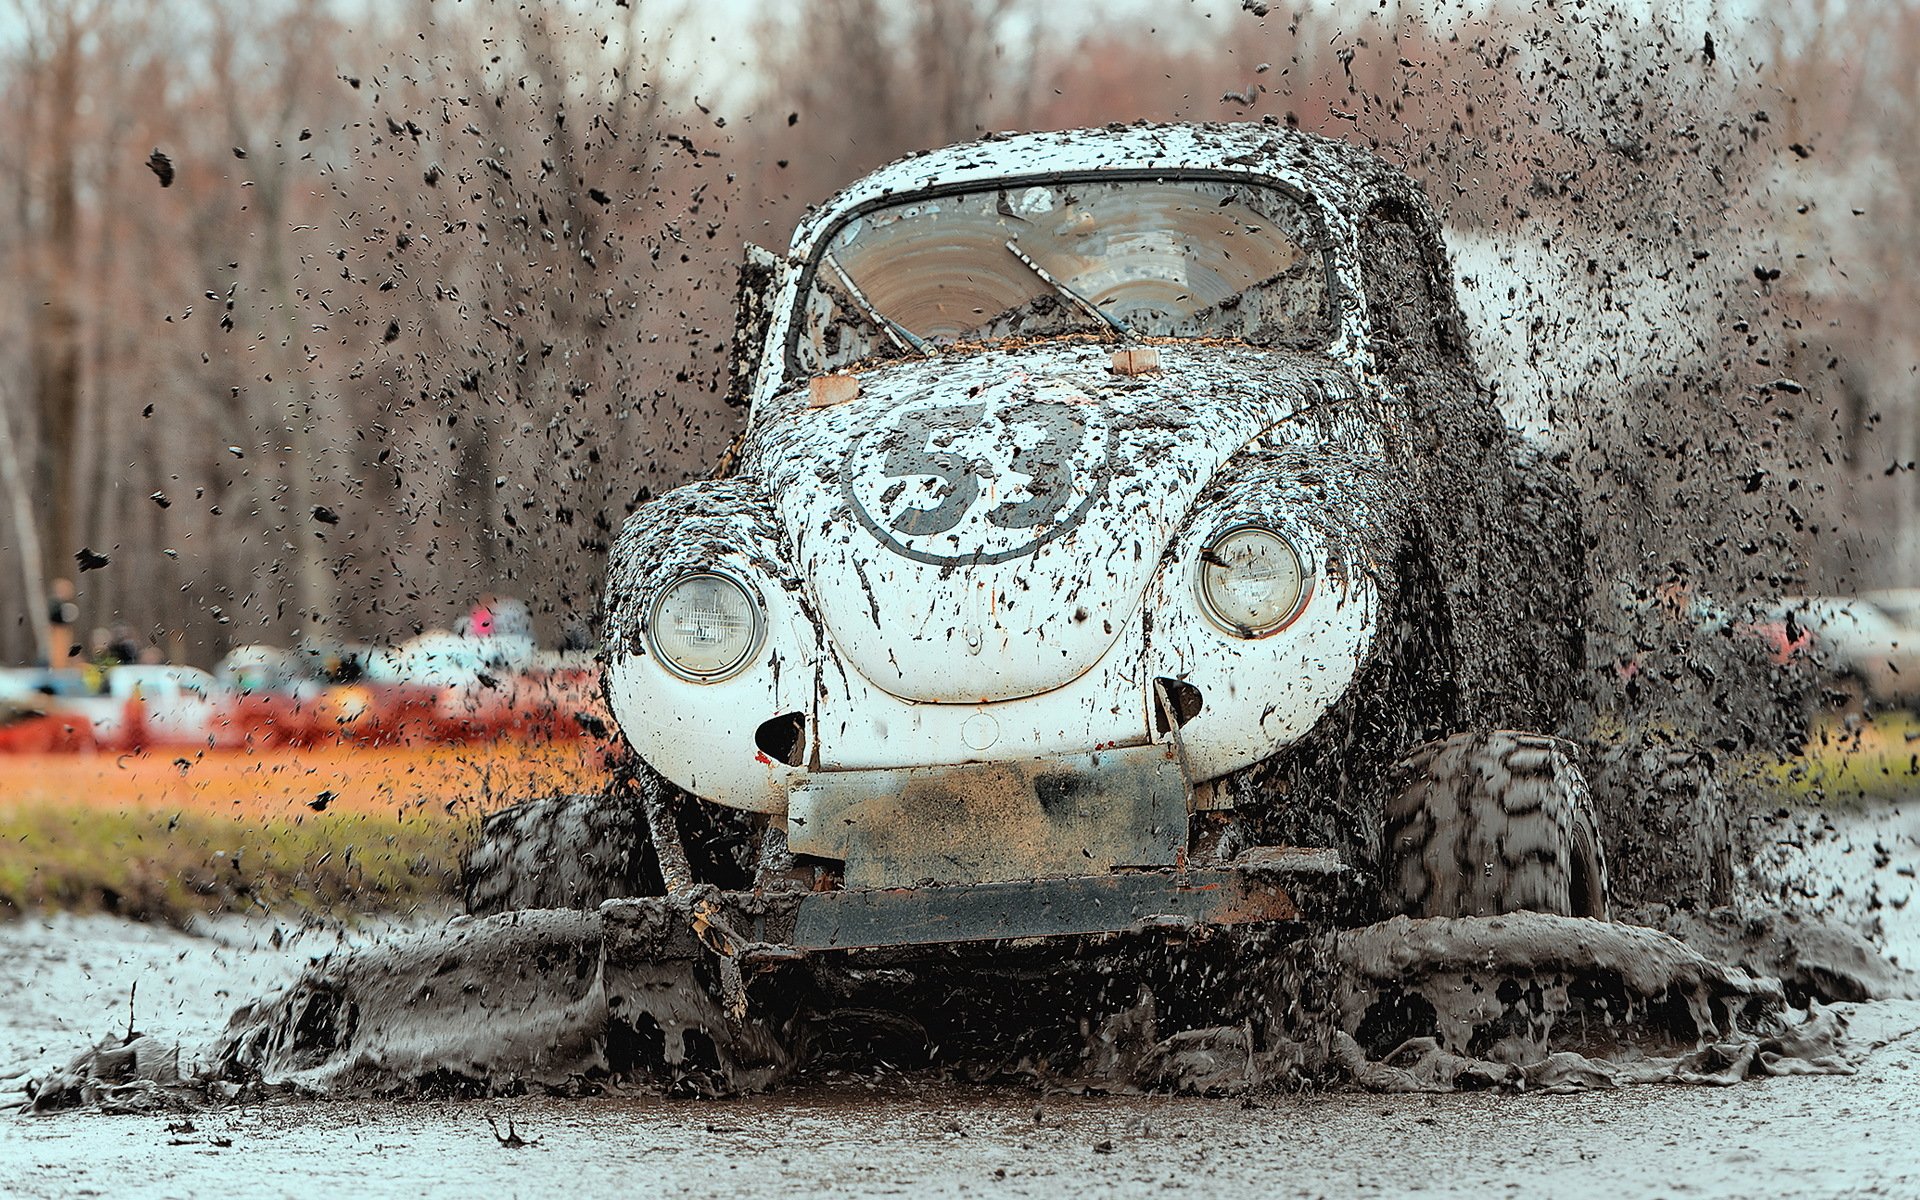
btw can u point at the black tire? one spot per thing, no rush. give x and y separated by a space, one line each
1695 814
561 852
1481 824
577 851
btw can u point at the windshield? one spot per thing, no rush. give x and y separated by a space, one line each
1112 257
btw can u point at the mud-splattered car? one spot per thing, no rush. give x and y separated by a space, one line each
1120 536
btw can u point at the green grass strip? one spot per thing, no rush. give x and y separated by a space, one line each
155 865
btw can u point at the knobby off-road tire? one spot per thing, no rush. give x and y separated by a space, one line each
1481 824
561 852
577 851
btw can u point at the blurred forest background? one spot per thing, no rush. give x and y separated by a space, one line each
323 318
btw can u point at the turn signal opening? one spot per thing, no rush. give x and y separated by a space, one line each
1178 695
784 738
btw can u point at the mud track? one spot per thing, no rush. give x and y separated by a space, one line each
627 999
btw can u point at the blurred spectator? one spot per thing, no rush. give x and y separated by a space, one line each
479 620
125 647
100 659
63 613
498 616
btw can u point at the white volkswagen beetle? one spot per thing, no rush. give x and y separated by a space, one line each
1119 536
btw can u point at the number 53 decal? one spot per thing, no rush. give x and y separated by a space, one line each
960 470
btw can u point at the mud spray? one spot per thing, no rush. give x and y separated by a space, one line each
1689 480
627 998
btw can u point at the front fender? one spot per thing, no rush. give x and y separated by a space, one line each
701 736
1328 490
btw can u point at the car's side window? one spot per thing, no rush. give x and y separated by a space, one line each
1408 308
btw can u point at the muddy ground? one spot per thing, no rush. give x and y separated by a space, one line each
1813 1136
70 980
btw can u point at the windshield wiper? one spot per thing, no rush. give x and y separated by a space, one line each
898 333
1085 305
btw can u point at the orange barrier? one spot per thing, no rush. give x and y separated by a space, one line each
291 781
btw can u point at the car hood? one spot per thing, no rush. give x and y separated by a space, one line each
978 526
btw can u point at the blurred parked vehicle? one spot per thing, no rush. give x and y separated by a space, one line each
1901 605
147 706
265 669
167 706
1859 647
18 682
29 718
438 688
439 658
1683 611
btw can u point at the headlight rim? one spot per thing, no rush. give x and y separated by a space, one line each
1209 609
756 607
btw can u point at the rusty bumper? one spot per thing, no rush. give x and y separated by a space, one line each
1004 821
1272 886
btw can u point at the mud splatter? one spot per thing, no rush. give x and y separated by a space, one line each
552 1000
1535 1002
626 999
1812 958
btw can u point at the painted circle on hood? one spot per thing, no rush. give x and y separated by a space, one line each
981 479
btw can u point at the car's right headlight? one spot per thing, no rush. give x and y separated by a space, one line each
1252 582
705 627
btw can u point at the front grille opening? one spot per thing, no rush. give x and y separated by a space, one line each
784 738
1178 695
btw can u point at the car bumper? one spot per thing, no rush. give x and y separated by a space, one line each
996 822
1265 886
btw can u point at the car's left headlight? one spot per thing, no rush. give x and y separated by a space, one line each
1252 581
705 626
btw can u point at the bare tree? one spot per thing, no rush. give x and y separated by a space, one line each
871 80
33 588
50 73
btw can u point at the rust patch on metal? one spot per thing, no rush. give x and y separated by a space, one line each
829 390
1080 814
1121 902
1246 901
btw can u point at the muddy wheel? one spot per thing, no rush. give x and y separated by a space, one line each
561 852
1697 822
1487 823
577 851
1670 821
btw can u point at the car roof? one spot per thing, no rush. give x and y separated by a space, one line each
1340 178
1339 174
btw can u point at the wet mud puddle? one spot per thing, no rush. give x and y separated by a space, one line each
626 999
